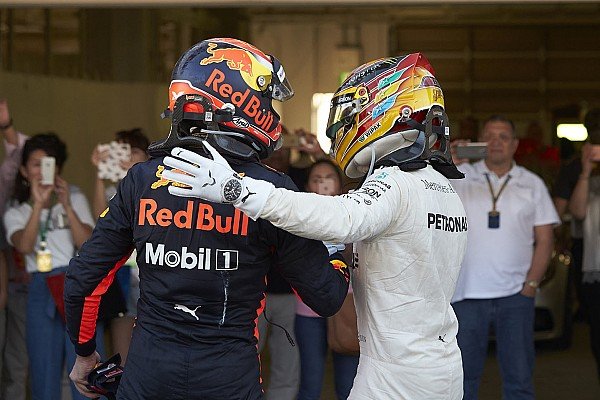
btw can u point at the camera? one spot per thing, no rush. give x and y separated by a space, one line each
475 150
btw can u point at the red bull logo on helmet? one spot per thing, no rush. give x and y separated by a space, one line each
236 59
254 67
249 104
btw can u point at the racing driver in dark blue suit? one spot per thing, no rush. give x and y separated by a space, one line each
202 265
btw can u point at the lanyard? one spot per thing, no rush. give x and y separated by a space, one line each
44 230
495 197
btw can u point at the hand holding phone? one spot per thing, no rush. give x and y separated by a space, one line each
110 167
48 168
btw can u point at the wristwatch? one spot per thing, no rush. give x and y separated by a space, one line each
533 283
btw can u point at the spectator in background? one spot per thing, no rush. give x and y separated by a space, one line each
584 204
299 151
47 224
14 377
138 142
280 301
566 150
125 289
280 309
510 241
324 177
569 175
532 153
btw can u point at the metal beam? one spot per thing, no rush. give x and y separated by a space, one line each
260 3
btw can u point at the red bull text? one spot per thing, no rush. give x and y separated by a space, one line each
196 215
249 105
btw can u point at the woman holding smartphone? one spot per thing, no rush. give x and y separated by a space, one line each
47 223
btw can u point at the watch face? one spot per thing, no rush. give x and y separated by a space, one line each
232 190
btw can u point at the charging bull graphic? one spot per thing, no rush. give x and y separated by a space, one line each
250 65
237 59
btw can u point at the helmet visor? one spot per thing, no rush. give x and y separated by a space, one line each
342 112
282 89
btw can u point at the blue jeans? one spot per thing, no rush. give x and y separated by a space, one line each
311 335
512 318
48 343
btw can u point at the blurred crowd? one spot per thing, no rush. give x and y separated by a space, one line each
44 224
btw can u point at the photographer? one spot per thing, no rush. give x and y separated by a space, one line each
584 204
510 241
47 224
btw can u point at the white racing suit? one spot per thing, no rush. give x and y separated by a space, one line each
410 234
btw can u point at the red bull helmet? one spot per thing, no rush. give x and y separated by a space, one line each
389 112
222 91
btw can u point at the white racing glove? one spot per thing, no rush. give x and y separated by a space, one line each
214 180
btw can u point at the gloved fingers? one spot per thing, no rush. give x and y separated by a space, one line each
218 158
199 160
181 165
180 191
180 178
187 155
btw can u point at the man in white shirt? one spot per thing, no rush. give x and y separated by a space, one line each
510 239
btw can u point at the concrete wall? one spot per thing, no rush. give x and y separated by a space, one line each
309 48
83 113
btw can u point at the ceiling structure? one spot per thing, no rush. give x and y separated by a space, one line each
526 59
258 3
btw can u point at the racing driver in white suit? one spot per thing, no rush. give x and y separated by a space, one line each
387 122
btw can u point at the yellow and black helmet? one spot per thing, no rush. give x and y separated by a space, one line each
381 108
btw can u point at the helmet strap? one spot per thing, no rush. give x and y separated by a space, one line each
440 132
418 154
189 128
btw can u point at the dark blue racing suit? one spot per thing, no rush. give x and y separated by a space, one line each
202 280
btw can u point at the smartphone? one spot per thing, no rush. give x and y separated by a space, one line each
48 167
595 156
474 150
